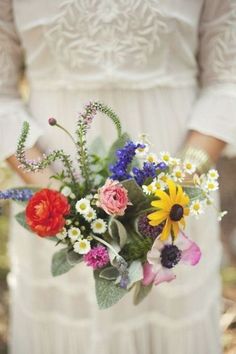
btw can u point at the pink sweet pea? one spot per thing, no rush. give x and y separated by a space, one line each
164 256
113 198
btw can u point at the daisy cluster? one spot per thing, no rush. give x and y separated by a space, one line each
183 173
79 232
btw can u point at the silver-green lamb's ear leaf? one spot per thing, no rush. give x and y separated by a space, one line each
60 264
74 258
20 218
109 273
141 292
135 192
117 232
135 273
119 143
194 193
97 147
107 293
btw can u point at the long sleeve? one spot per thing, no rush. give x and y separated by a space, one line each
215 111
12 109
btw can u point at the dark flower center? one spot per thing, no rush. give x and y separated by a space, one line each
170 256
176 212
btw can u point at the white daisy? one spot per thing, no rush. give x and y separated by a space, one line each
162 178
211 185
178 174
74 233
157 184
174 161
68 222
165 157
91 215
189 167
66 191
213 174
149 189
62 235
152 158
99 226
142 150
83 206
82 246
89 196
196 208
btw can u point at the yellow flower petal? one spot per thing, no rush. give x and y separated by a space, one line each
172 190
157 217
182 222
164 197
160 204
166 231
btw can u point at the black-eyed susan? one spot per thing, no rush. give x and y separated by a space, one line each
172 208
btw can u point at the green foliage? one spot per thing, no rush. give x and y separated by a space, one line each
60 263
141 292
135 273
137 247
117 232
20 218
194 193
109 273
107 292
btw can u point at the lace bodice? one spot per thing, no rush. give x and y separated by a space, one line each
110 43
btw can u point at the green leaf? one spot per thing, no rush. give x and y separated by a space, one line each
135 273
135 192
73 257
60 264
141 292
109 273
107 293
194 193
97 147
117 232
20 218
119 143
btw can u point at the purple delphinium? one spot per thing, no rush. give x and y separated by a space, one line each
17 194
146 229
124 156
149 170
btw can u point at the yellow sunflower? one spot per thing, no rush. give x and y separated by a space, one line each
172 207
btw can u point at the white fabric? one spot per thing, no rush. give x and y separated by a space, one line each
139 57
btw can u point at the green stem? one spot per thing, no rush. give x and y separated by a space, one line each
106 244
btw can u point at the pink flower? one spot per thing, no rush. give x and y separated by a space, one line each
113 198
97 257
164 256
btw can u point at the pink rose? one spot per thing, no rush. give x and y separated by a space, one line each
113 198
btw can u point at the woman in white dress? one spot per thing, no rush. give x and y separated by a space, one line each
166 67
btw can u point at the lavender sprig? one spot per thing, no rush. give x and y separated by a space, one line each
21 195
84 121
45 161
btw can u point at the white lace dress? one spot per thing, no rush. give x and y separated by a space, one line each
144 58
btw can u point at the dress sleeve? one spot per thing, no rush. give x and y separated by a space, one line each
214 113
12 109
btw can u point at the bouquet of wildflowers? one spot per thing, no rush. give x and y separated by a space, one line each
121 212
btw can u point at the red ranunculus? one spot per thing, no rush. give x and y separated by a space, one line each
45 212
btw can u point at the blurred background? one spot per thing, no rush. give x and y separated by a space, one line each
227 169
